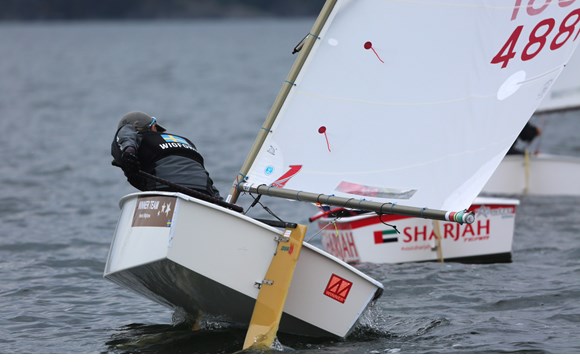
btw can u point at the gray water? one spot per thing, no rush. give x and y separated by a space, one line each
63 87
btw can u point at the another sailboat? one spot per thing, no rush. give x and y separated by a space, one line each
538 173
384 110
362 237
565 94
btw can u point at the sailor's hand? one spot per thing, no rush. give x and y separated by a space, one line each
130 160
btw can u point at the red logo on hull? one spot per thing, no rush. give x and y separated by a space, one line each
338 288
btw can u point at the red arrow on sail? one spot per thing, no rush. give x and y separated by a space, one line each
282 180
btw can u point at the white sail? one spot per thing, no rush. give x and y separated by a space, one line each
415 102
565 94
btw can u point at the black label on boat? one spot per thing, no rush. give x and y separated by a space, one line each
156 211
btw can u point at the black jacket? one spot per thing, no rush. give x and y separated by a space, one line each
167 156
527 135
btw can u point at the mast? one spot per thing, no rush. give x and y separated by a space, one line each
284 91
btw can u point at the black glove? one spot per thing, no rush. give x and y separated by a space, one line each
130 161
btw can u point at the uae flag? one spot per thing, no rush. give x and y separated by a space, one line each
386 236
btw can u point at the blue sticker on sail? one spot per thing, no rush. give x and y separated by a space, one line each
172 138
268 171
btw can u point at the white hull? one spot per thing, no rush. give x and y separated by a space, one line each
542 175
206 259
365 238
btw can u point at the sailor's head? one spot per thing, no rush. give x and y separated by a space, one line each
141 121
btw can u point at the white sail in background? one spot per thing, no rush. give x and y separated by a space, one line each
565 94
415 102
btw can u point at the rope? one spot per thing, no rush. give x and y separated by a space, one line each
325 226
192 193
381 220
257 201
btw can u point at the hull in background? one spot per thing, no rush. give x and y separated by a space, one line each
539 175
367 238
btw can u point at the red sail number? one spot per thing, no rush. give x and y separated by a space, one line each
532 9
538 38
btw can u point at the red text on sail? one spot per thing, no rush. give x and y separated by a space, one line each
546 34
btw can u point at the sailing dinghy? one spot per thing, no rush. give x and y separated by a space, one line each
362 237
544 174
203 259
385 110
536 175
565 94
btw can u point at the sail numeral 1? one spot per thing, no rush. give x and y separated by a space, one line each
538 38
532 10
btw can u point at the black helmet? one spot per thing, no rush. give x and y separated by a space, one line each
141 121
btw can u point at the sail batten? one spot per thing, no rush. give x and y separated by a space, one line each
395 103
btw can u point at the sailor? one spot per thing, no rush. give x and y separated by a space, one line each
141 143
526 136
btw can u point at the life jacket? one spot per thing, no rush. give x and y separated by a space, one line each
155 146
